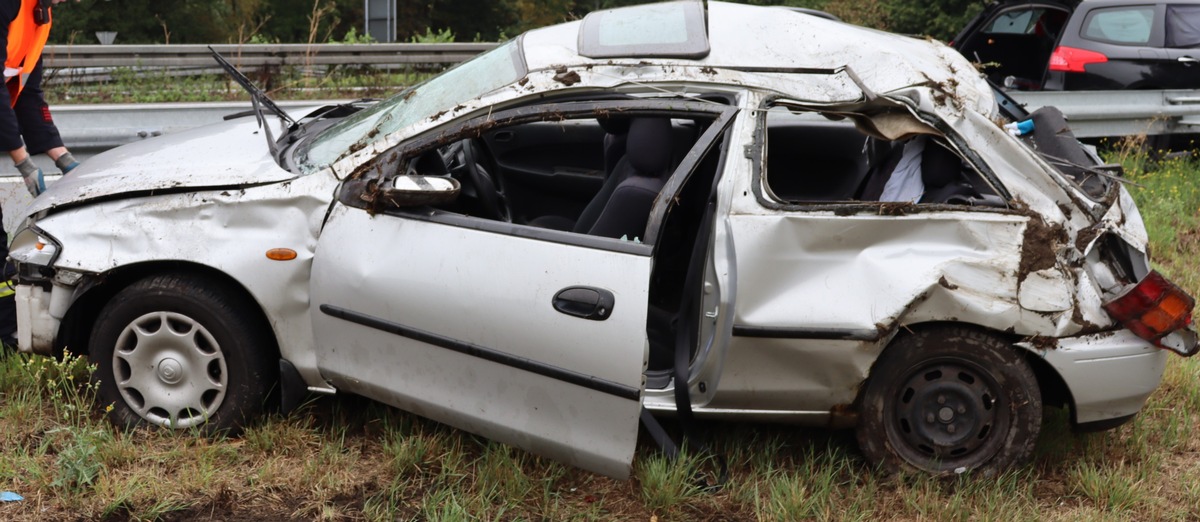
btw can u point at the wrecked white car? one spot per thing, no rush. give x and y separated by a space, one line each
645 210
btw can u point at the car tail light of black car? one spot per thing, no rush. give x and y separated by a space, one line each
1070 59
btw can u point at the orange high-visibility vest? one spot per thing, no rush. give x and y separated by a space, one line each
26 39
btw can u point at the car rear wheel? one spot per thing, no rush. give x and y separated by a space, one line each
181 352
949 400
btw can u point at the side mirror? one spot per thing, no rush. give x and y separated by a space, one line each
399 192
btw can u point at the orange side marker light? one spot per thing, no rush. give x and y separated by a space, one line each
281 254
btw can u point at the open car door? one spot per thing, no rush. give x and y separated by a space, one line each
533 338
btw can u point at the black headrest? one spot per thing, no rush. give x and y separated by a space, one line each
939 166
648 145
614 124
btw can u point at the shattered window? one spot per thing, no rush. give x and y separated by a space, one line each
810 158
476 77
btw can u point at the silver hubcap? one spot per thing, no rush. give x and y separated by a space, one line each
170 370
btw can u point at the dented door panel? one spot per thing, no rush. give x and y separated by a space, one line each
948 266
803 377
458 323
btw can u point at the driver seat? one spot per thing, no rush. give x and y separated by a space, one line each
636 180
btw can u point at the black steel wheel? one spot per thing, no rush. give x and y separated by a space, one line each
949 400
182 352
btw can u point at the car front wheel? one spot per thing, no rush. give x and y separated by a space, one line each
947 401
180 351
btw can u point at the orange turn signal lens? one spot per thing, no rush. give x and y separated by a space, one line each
1175 306
281 254
1158 322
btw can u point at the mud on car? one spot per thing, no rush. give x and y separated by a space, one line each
641 211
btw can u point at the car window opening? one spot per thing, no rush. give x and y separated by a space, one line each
811 159
597 176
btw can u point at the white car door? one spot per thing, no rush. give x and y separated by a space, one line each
527 335
536 342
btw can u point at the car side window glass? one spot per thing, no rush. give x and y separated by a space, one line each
1120 25
1183 26
812 159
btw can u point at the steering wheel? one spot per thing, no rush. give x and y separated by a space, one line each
487 186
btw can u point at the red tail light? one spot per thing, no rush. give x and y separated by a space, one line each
1153 308
1070 59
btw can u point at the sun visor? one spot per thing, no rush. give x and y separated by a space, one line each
665 30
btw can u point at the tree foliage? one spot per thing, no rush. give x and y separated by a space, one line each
300 21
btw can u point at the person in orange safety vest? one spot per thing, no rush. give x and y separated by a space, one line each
25 124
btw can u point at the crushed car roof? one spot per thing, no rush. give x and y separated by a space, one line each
774 41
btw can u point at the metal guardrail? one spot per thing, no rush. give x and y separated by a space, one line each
1092 113
258 55
91 129
1095 114
105 126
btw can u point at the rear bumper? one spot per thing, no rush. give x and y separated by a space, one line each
1110 375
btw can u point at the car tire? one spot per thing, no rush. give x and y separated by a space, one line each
948 401
184 352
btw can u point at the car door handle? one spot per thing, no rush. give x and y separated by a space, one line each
1187 60
587 302
503 136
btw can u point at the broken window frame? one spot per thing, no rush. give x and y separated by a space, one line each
355 191
945 134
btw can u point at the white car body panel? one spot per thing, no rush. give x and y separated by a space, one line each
239 225
365 262
228 154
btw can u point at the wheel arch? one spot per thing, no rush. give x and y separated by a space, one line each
77 323
1053 388
891 437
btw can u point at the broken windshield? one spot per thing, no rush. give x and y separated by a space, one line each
471 79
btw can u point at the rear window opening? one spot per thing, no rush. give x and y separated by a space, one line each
809 158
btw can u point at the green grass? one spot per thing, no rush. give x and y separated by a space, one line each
343 458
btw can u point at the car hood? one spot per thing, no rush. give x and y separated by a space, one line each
227 154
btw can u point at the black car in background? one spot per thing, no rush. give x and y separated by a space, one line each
1086 45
